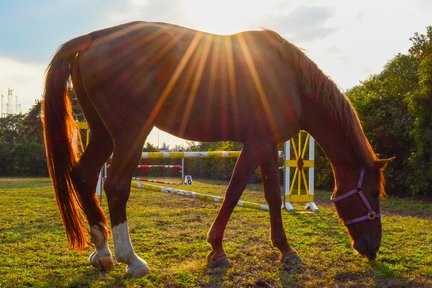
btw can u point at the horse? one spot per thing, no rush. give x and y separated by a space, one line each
252 87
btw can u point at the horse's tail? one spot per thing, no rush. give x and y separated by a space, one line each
61 138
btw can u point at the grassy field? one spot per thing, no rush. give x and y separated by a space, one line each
170 231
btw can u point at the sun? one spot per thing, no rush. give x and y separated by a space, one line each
225 16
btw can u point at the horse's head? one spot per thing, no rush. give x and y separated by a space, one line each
359 208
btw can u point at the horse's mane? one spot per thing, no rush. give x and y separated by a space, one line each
312 79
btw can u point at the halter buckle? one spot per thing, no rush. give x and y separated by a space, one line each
371 215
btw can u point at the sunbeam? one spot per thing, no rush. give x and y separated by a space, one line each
224 16
201 62
257 83
173 80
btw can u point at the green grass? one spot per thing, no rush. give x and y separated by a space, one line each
169 232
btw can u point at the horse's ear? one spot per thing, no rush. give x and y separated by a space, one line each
382 163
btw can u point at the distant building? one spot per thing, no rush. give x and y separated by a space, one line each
8 105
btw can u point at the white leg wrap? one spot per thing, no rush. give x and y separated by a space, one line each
124 251
122 244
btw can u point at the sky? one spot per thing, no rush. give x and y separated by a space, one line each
350 40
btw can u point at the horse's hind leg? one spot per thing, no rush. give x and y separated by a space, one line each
85 178
127 153
270 178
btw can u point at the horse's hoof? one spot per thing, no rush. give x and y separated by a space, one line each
102 263
137 269
293 261
222 262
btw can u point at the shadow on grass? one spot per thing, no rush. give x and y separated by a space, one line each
385 277
17 183
115 278
292 277
216 276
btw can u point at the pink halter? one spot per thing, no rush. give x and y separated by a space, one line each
371 215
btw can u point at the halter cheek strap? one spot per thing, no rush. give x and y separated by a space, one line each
371 215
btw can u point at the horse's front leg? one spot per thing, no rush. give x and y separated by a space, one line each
245 166
272 191
117 188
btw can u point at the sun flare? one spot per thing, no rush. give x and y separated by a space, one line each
225 16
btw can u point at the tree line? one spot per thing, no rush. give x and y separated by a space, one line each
22 151
395 107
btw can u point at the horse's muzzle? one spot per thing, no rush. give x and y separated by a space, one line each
366 248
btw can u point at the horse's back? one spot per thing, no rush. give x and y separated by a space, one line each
204 87
125 69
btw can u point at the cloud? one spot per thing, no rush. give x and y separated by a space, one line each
144 10
423 4
25 79
336 53
303 24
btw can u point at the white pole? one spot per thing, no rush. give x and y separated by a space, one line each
287 180
311 169
99 187
101 179
182 171
312 205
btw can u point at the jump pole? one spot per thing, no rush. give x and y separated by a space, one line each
154 181
196 195
142 166
197 154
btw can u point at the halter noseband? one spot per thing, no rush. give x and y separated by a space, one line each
371 215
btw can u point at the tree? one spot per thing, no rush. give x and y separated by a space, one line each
148 147
21 144
422 44
420 161
394 107
211 168
381 102
10 127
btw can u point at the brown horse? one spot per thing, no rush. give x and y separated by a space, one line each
253 87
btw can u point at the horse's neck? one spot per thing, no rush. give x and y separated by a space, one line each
336 143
